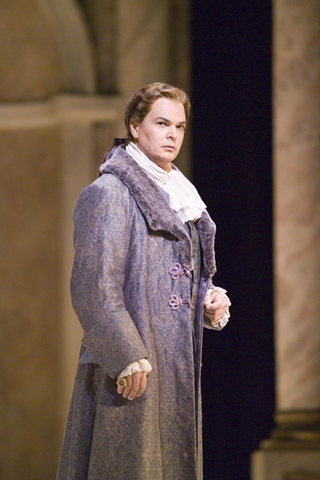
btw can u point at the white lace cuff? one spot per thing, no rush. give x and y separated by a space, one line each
220 324
141 365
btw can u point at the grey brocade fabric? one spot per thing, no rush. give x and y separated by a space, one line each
130 287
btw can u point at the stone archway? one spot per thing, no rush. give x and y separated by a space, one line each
44 49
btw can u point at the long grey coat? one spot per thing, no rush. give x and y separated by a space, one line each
126 239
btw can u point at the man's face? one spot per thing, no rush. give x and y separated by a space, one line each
161 133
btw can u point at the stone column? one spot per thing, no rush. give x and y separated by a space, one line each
293 452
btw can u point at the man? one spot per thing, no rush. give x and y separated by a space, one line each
140 283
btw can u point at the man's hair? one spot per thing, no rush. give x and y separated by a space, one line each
141 101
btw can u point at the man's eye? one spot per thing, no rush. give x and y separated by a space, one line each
162 124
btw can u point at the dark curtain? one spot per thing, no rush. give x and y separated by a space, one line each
232 169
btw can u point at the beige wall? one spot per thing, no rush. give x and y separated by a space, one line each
66 71
30 311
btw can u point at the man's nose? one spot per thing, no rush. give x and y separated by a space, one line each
172 133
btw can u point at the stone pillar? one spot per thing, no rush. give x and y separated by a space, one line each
293 452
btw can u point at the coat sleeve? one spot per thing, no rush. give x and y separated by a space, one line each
101 236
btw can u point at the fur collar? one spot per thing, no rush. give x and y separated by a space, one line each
156 209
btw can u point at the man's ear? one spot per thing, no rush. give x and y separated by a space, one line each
134 128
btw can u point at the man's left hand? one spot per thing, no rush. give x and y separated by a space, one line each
215 305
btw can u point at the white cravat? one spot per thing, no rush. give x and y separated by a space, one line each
183 196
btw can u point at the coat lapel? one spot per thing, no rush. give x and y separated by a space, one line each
156 209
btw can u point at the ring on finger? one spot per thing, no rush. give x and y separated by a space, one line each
121 382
